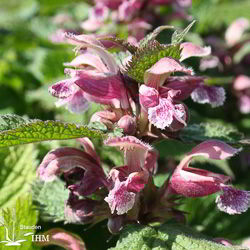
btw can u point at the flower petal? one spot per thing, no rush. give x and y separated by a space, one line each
63 89
88 41
158 73
77 103
104 89
233 201
213 149
87 59
134 151
120 199
162 115
137 180
209 94
235 30
64 160
149 97
186 84
89 148
241 82
244 104
192 50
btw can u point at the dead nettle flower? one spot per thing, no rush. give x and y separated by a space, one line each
128 180
241 87
118 192
193 182
160 94
215 96
95 78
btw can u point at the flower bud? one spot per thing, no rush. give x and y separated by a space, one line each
115 224
84 211
106 117
128 124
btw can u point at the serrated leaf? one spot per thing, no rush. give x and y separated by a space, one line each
13 219
178 35
146 57
37 131
207 131
50 204
151 36
18 170
11 122
166 237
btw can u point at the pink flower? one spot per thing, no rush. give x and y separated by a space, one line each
162 110
161 103
195 86
128 180
96 80
192 182
74 162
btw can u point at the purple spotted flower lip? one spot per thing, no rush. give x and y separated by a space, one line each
193 182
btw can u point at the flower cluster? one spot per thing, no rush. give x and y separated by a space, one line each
142 109
108 16
139 95
127 194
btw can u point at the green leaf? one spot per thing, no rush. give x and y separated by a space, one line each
165 237
50 204
12 220
151 36
146 57
18 170
173 148
208 131
36 131
178 35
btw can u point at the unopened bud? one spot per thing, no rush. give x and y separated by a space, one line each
106 117
128 124
115 224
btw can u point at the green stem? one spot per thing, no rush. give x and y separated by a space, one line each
219 80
